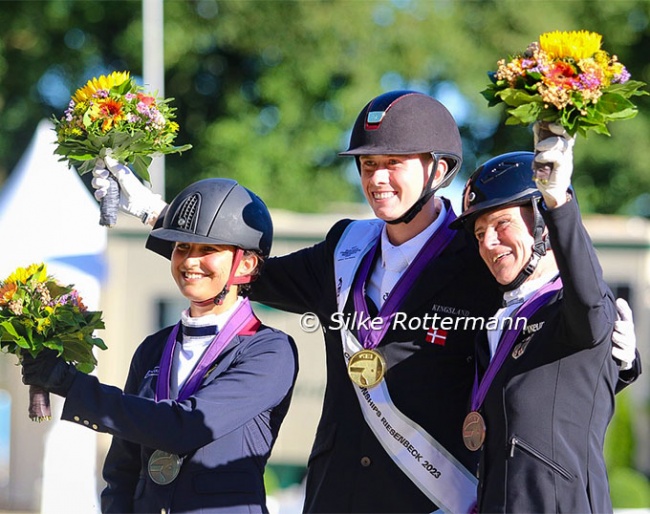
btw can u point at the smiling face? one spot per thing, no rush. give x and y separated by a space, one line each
505 241
393 183
201 272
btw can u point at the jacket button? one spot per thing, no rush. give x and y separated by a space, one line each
365 461
77 418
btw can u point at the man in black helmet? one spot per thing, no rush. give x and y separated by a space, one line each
390 434
544 392
204 399
400 366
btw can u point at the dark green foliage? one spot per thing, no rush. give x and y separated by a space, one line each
266 90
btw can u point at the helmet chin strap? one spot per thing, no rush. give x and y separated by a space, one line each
540 246
232 279
425 196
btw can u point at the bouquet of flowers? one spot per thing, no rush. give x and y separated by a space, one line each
37 312
113 115
565 78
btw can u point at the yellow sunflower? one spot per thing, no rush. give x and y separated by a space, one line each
578 45
104 82
21 275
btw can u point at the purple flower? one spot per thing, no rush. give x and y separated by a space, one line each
588 81
622 77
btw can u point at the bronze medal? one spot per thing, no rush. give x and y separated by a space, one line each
473 431
164 467
366 368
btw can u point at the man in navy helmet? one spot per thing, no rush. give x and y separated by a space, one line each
544 392
400 367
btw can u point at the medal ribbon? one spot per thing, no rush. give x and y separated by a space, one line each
529 307
241 320
444 480
432 248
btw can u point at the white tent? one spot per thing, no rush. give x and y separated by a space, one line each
46 211
48 215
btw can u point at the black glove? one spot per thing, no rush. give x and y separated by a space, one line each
48 371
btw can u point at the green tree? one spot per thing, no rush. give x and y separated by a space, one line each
266 90
629 488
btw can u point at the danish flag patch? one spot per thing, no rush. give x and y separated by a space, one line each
436 336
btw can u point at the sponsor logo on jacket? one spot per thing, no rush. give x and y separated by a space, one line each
348 253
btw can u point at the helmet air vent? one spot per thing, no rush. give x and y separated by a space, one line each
188 213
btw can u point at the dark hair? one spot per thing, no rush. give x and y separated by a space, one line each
244 290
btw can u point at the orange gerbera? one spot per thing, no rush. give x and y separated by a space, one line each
562 74
7 292
110 107
111 112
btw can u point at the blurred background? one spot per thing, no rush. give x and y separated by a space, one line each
266 92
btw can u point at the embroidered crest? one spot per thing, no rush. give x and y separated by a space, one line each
520 348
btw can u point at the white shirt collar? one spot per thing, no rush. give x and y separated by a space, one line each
397 258
209 319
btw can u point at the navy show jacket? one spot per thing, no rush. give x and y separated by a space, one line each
224 431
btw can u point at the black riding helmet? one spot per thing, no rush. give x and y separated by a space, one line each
404 123
505 181
502 181
215 211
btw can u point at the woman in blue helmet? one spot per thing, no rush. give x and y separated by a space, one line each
544 389
204 399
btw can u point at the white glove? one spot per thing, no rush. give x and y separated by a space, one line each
623 338
553 162
135 198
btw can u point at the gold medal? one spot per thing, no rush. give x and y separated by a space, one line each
366 368
164 467
473 431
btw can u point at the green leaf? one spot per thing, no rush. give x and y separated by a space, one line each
517 97
98 342
613 103
140 166
526 113
85 368
9 329
629 88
